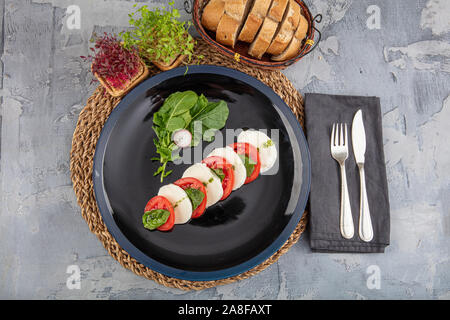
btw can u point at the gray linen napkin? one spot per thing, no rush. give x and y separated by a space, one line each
321 111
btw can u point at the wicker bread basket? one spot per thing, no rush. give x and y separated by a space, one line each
239 53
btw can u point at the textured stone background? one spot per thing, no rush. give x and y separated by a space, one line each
45 84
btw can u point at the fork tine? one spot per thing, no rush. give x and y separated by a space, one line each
341 135
332 143
346 136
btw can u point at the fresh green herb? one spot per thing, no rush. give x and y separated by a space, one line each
248 163
159 35
179 111
155 218
178 202
207 118
168 119
267 144
196 196
218 172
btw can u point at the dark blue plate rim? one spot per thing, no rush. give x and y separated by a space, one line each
106 210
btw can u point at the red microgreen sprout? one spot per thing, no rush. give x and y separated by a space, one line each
111 61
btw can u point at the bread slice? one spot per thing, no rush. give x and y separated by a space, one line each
294 13
232 21
294 46
286 29
302 28
263 38
277 9
227 30
212 13
236 8
254 20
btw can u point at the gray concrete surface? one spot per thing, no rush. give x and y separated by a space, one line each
406 62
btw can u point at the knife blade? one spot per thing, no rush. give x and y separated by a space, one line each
358 137
359 149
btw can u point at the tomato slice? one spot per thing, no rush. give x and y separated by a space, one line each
252 153
160 202
215 162
187 183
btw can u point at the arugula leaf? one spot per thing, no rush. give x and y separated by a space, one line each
155 218
196 197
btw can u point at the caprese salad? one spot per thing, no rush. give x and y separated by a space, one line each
204 184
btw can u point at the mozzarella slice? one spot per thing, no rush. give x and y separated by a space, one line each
180 201
213 184
267 151
240 173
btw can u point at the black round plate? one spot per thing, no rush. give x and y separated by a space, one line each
232 236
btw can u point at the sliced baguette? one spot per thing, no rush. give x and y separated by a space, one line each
254 20
296 42
232 21
263 39
212 13
277 9
286 29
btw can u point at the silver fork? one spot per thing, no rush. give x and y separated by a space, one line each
339 152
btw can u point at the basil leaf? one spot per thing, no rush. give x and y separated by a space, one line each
196 197
218 172
155 218
248 163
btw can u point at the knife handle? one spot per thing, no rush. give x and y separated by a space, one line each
365 223
346 218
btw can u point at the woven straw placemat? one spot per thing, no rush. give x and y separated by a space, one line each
89 125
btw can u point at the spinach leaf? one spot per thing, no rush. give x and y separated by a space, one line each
196 197
206 120
186 110
155 218
201 104
178 102
175 123
214 115
248 163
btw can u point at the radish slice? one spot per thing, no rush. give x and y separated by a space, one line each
182 138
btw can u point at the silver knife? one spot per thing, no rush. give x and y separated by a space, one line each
359 149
